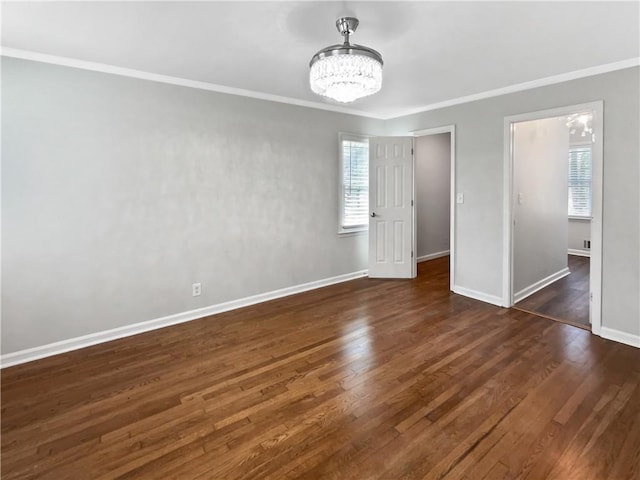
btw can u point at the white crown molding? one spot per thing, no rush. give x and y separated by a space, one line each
30 354
183 82
154 77
519 87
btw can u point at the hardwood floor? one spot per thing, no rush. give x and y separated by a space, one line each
396 379
566 300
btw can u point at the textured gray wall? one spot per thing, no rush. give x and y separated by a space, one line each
479 164
119 193
433 186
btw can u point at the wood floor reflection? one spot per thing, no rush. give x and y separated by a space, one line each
567 299
361 380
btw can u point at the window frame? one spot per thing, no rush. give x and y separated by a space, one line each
356 229
574 146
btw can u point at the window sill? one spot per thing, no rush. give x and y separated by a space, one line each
580 219
350 232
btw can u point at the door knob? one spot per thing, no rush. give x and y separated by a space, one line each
373 214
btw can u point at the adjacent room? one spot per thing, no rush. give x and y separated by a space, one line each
565 191
320 239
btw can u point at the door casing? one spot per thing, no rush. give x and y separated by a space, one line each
451 129
595 274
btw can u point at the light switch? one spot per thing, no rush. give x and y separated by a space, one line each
460 198
520 198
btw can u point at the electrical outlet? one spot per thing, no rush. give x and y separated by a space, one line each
586 244
196 289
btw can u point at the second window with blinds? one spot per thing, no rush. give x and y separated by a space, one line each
580 182
354 183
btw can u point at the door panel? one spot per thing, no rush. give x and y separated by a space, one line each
390 196
381 187
398 241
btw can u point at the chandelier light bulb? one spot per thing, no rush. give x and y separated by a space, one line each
346 72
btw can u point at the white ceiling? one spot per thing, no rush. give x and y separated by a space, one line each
433 51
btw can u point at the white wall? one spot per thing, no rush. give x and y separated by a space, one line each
579 230
479 164
540 179
433 186
118 194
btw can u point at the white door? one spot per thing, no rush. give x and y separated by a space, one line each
390 207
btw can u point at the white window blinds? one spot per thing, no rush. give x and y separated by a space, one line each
580 181
355 183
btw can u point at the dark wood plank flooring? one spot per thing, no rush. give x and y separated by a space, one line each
396 379
565 300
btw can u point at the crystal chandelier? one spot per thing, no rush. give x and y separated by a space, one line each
580 122
346 72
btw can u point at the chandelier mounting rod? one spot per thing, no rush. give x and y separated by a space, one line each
347 26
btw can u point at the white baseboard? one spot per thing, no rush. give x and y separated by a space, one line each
432 256
30 354
483 297
579 253
618 336
539 285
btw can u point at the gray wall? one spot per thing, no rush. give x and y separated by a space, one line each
540 177
433 186
119 193
479 164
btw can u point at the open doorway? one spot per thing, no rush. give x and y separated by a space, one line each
565 299
433 178
553 223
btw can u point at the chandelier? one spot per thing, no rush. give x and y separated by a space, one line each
346 72
580 122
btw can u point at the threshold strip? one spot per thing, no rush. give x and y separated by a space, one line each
555 319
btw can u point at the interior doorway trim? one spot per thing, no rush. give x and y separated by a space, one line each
451 129
595 276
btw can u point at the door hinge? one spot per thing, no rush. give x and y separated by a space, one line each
591 297
411 253
412 151
412 203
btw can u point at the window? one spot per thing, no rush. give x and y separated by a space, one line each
354 183
580 181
